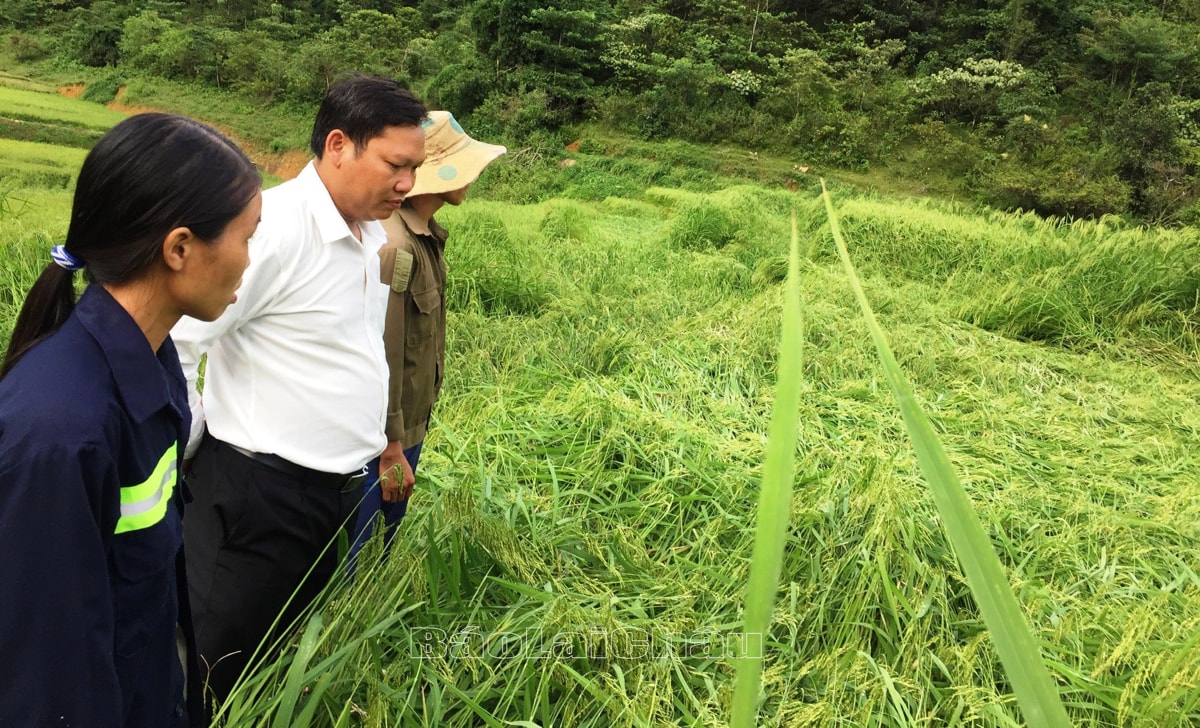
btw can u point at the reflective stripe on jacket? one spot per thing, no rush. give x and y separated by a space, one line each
91 583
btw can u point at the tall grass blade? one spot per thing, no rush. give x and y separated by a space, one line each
305 718
1019 652
295 677
774 504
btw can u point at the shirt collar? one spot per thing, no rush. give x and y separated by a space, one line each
140 374
418 226
331 226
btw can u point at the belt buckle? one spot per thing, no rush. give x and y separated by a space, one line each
355 482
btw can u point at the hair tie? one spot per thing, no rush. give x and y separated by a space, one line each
64 259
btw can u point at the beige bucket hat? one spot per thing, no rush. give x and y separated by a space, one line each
453 160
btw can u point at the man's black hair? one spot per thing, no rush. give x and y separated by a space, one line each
362 107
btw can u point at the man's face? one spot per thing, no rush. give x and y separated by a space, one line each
455 197
373 179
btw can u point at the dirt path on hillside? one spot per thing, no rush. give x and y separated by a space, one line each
284 165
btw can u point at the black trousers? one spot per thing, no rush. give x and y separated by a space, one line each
252 534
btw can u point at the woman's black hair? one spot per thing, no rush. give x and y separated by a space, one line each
363 106
148 175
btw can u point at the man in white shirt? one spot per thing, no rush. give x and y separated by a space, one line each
296 382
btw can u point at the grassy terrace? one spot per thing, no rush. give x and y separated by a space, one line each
578 548
43 106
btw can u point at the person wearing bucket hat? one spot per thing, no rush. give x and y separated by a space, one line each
412 264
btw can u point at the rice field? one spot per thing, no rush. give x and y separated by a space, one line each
38 165
38 105
44 136
579 545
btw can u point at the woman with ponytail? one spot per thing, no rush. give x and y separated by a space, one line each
93 419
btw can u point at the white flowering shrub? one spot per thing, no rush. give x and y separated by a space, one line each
745 83
981 75
980 89
1187 116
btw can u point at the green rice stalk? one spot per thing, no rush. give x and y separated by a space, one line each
774 506
1036 692
295 676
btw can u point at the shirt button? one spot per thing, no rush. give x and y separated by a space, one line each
178 711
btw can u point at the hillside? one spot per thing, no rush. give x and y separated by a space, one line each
1073 108
578 548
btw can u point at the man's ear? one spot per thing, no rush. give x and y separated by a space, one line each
178 247
338 147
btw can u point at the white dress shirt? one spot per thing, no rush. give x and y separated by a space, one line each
296 367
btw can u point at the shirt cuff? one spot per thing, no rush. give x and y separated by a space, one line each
394 428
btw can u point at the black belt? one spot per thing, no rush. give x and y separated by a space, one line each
299 473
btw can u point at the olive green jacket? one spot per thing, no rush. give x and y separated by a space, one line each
413 264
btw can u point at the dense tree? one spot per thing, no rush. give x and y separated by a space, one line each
93 33
1106 93
1131 50
556 48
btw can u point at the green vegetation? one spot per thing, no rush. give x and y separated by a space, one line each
774 504
282 127
44 107
39 165
1019 652
591 486
43 116
580 544
1067 107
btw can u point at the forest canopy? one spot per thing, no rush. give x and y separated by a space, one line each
1068 107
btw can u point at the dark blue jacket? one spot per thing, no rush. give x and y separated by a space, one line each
92 425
